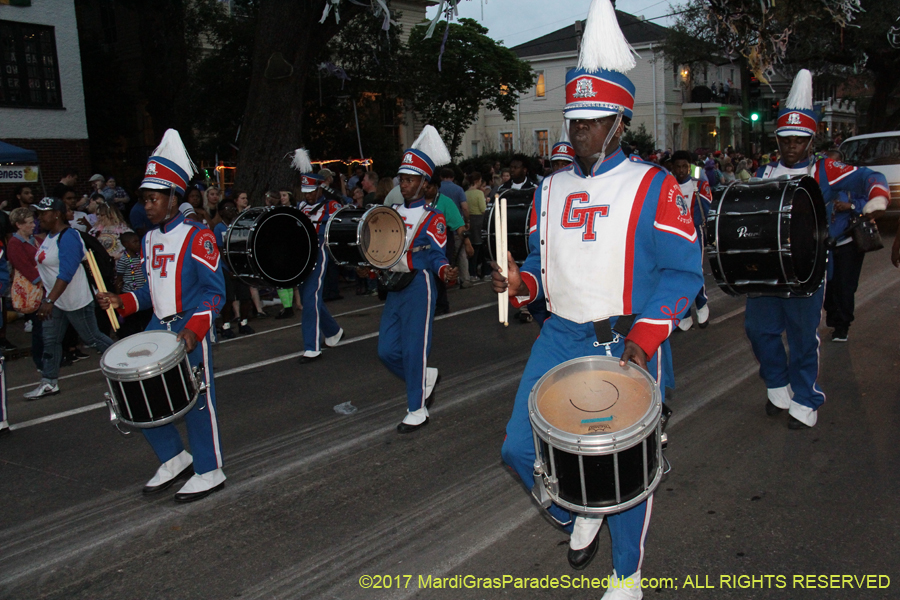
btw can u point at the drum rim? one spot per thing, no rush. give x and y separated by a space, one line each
151 370
348 208
359 230
595 443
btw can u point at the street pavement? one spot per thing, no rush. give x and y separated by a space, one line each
323 505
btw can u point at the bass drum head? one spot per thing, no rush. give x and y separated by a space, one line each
589 401
382 237
806 241
284 244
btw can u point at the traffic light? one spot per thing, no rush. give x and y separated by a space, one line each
754 117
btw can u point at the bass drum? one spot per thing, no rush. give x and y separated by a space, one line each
519 204
366 238
597 435
273 246
767 238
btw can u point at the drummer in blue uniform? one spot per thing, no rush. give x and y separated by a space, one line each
318 324
184 274
614 251
792 383
404 337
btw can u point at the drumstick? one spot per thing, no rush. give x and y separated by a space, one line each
498 247
505 243
101 287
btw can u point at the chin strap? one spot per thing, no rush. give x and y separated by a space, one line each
609 137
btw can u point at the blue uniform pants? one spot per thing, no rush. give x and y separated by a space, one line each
404 337
317 321
563 340
202 420
765 320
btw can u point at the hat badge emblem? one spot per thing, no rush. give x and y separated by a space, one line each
793 119
408 158
584 88
151 168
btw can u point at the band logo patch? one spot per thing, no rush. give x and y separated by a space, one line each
682 205
793 119
407 159
584 88
575 216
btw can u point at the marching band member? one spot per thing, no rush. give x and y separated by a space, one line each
792 384
625 259
184 277
317 320
404 337
700 195
563 154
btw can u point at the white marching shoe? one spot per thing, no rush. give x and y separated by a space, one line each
201 486
431 379
333 341
169 471
686 323
624 588
703 316
413 420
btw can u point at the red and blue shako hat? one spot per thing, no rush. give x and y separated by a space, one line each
563 149
169 167
426 154
798 117
598 86
309 181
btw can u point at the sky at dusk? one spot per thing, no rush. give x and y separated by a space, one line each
517 21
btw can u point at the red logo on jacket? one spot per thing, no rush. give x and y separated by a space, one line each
582 217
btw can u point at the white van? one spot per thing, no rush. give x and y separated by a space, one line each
880 152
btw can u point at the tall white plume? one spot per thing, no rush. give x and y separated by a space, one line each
430 142
801 92
301 160
564 133
603 45
172 148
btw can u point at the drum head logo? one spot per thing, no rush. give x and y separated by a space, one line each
151 168
584 88
793 119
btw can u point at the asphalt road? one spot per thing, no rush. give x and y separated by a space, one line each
316 501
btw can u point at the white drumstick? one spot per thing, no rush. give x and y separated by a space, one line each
505 243
498 248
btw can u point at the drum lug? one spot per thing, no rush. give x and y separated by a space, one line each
541 485
114 414
664 441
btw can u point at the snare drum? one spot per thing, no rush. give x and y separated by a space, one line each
597 435
361 237
150 379
519 204
274 246
768 238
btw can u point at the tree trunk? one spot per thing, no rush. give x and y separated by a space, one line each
273 120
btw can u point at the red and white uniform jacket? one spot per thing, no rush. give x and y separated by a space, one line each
426 239
617 241
184 275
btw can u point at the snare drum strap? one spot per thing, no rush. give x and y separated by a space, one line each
604 328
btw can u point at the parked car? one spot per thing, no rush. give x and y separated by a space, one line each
880 152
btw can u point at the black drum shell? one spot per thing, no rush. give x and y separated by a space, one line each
271 246
341 237
144 403
767 238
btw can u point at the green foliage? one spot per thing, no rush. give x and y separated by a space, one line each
475 70
639 139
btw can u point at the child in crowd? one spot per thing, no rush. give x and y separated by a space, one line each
130 277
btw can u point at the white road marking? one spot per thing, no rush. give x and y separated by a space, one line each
225 373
